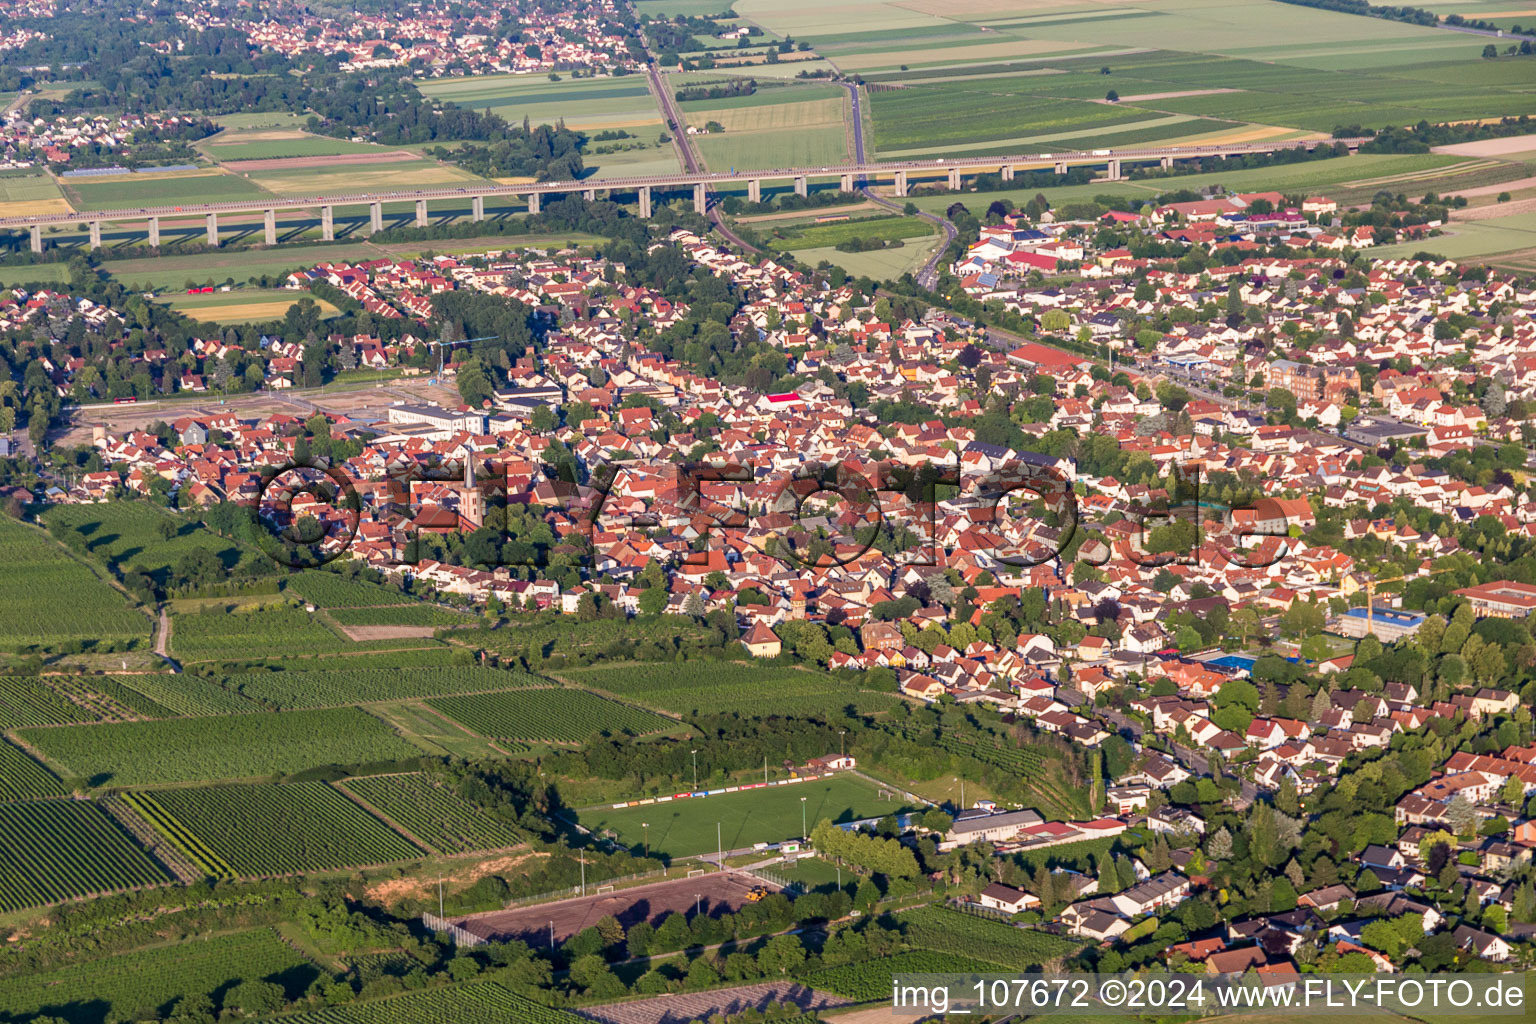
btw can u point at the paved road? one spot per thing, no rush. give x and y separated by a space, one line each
678 129
687 178
929 272
1196 761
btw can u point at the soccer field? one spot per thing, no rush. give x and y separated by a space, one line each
686 828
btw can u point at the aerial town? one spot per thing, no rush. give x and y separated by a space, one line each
742 578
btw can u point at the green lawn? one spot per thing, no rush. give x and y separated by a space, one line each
684 828
878 264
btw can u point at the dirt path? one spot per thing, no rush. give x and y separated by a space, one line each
1491 147
1175 95
1492 190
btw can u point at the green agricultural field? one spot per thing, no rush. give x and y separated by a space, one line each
53 850
51 597
262 119
551 634
400 615
106 698
193 696
26 700
116 988
152 273
970 112
331 590
793 126
22 778
728 688
673 8
480 1001
260 144
550 715
812 146
376 176
159 190
632 158
30 193
812 236
585 104
131 534
242 305
437 735
335 682
950 931
433 815
981 72
1472 239
225 631
243 831
871 980
686 828
27 275
209 749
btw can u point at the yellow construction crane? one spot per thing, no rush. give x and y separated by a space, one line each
1370 594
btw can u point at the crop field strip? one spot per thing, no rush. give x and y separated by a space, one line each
178 835
332 687
399 615
871 980
192 696
479 1001
434 815
329 590
22 778
104 699
961 102
155 190
27 701
943 930
115 987
53 850
726 687
554 715
50 596
205 749
247 831
216 633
